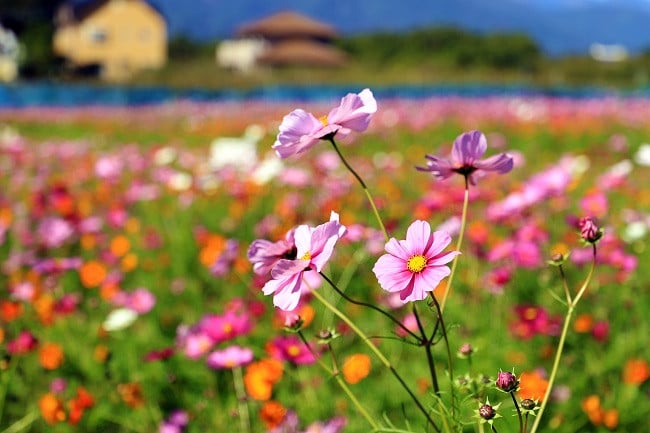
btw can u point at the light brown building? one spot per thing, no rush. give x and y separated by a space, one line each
120 37
294 39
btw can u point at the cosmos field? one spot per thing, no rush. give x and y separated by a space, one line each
130 302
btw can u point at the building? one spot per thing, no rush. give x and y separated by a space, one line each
117 37
9 55
286 39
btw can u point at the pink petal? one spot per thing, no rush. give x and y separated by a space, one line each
418 237
469 147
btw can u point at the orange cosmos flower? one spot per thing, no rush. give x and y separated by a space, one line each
44 306
92 274
50 356
131 394
532 385
10 311
79 404
356 367
129 262
636 371
584 323
51 408
272 413
120 245
261 376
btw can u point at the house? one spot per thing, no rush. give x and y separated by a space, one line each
118 37
286 39
9 54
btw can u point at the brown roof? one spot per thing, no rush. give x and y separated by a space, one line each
302 52
286 25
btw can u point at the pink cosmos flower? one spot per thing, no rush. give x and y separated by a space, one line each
415 266
290 348
264 255
226 326
230 357
314 247
466 151
300 130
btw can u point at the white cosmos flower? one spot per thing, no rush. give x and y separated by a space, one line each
119 319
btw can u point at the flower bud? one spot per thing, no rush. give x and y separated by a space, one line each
528 404
589 231
487 412
466 350
507 382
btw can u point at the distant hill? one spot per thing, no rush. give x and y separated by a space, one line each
558 27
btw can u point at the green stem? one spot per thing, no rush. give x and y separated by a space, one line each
526 423
449 360
374 307
427 346
463 222
521 421
244 419
363 185
22 423
377 353
6 378
560 347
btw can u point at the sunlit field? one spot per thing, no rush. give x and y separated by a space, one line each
130 303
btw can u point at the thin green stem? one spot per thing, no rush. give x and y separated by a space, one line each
363 185
449 360
567 292
521 421
238 380
374 307
377 353
526 423
316 357
463 222
427 346
22 423
560 347
6 378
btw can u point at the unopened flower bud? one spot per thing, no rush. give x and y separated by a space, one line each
487 412
528 404
293 322
507 381
465 350
589 231
324 336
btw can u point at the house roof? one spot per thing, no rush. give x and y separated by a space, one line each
288 24
302 52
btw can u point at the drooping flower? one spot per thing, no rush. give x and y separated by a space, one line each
415 266
300 130
466 151
264 255
314 247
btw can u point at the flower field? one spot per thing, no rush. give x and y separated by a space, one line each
395 265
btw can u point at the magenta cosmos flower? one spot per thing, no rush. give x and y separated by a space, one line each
314 247
301 130
415 266
465 153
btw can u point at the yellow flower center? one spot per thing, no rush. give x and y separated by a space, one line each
293 350
306 257
416 263
323 120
